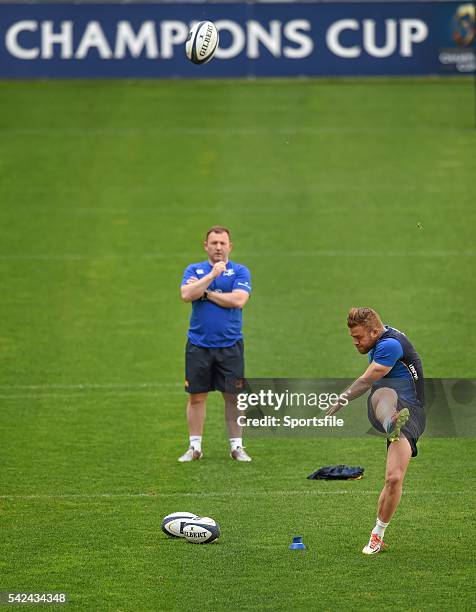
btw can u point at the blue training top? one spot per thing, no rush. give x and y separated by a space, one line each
395 350
213 326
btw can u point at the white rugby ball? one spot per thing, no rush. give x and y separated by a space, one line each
201 530
173 524
202 42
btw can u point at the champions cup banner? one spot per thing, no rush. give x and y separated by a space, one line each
147 40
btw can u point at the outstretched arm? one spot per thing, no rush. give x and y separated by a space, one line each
374 372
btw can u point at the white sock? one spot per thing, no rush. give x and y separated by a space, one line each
379 528
389 424
196 443
235 443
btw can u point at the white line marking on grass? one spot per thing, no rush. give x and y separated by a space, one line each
60 131
152 394
90 386
292 492
234 493
108 389
269 254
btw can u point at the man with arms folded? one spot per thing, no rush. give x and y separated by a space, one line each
395 404
214 357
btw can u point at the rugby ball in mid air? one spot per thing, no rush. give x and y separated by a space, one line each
173 524
202 42
201 530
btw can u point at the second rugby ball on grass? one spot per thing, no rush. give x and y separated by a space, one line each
202 42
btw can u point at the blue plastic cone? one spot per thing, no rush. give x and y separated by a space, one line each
297 544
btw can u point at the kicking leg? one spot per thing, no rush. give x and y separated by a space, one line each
384 405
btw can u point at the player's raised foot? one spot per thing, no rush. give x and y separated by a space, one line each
239 454
374 546
191 455
400 421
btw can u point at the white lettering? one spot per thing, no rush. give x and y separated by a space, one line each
93 37
332 38
241 403
12 44
293 34
64 38
411 31
390 37
279 400
172 33
290 39
253 399
128 40
238 39
257 34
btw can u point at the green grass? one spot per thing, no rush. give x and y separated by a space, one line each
106 189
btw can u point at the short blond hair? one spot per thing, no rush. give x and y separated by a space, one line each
361 315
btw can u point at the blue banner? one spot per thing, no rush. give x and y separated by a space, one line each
147 40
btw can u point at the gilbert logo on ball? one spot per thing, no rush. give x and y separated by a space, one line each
201 530
202 42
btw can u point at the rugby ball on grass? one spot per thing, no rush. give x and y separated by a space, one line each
173 524
202 42
201 530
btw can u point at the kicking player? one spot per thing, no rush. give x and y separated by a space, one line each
214 357
395 404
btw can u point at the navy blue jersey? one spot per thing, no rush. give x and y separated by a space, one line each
213 326
395 350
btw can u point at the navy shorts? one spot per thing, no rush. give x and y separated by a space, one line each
214 369
413 445
413 428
